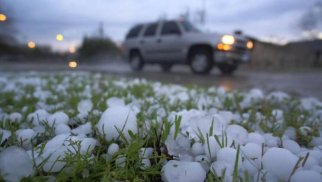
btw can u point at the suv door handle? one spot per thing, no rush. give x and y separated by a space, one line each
159 40
141 41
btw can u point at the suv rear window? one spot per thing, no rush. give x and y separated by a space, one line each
170 28
151 30
134 32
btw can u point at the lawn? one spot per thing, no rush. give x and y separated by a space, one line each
73 126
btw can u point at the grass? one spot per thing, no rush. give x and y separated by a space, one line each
63 92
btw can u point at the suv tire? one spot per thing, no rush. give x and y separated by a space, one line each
227 69
136 61
166 67
201 61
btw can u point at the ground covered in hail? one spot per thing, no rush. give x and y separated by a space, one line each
94 127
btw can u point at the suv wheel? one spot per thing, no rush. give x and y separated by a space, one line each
201 61
166 67
227 69
136 61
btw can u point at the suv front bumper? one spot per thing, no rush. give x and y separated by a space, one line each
231 56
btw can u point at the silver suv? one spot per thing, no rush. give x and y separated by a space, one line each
179 42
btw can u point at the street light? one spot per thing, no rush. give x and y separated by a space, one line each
59 37
31 45
3 17
72 64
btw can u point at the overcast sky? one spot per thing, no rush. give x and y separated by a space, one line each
41 20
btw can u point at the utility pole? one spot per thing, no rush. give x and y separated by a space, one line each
101 30
204 12
201 13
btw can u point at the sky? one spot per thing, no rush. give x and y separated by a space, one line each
41 20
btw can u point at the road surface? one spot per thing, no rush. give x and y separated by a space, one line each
304 83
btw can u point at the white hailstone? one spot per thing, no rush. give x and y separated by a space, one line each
24 136
252 97
310 103
185 157
277 96
84 129
146 152
120 161
182 96
237 132
54 162
53 152
15 164
196 122
278 114
305 130
117 119
112 149
256 93
178 171
292 146
256 138
62 129
5 134
279 162
39 129
85 106
306 175
229 155
251 150
317 154
87 145
82 116
226 115
317 169
251 166
311 160
114 102
15 117
38 116
221 91
265 176
211 148
219 167
145 164
197 149
289 133
57 118
204 161
96 112
271 141
180 145
202 158
57 148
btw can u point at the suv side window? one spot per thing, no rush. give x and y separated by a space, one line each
134 32
170 28
151 30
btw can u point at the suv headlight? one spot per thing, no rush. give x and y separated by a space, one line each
250 44
228 39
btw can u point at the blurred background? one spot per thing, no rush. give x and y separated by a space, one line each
86 34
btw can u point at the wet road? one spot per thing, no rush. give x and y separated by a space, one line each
303 83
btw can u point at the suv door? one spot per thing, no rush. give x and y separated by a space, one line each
171 42
148 42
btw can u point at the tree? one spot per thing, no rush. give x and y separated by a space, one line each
92 46
311 21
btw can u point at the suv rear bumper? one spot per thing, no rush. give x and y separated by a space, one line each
231 56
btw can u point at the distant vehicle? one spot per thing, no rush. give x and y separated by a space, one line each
178 42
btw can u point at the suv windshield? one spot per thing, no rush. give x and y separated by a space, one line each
188 27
